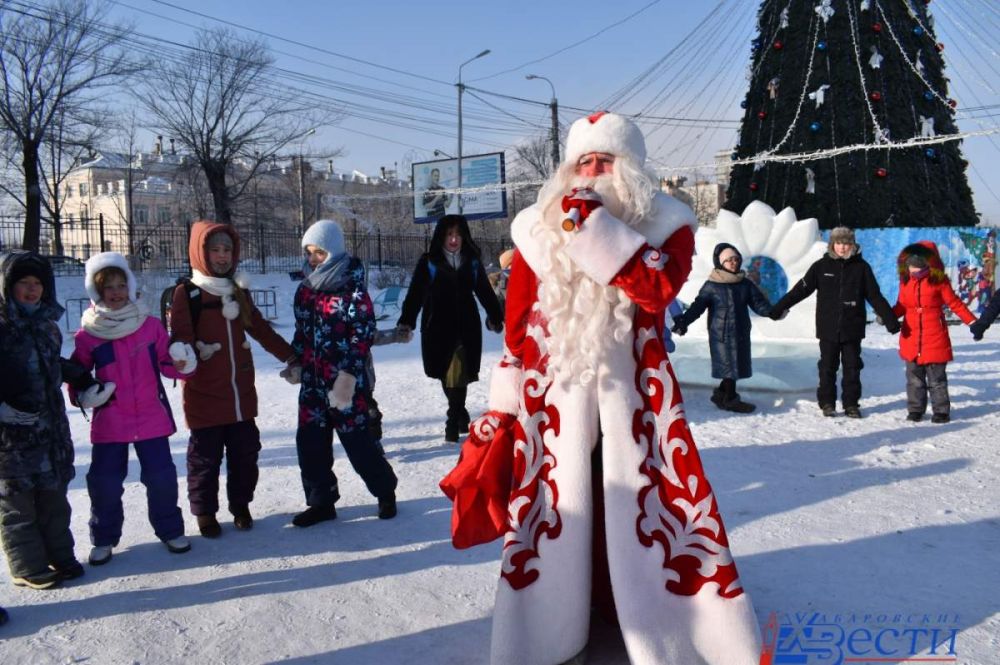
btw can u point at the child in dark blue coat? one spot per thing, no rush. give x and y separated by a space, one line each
986 318
728 296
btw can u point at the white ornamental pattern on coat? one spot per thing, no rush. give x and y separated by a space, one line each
699 534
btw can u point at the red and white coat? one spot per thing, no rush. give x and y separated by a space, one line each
677 593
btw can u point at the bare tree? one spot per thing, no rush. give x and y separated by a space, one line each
53 60
533 158
216 103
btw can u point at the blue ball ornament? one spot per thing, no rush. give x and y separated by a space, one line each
930 153
821 45
734 156
928 95
917 30
743 104
815 127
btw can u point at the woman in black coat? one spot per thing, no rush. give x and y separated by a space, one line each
728 296
445 285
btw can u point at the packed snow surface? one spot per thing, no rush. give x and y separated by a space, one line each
874 516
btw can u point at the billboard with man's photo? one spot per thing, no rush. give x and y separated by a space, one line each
435 182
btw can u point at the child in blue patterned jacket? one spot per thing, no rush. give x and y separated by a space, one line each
334 330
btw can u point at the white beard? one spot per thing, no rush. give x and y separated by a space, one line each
583 317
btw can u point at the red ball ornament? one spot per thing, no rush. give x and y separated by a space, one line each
778 45
876 27
762 114
754 187
876 96
881 172
939 46
952 103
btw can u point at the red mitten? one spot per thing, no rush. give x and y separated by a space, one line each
578 205
479 485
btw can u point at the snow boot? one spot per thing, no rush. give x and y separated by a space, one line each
48 579
99 555
914 416
736 405
940 418
458 418
242 519
852 412
314 515
387 507
209 526
829 410
68 570
178 545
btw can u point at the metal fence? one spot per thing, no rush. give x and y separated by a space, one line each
165 249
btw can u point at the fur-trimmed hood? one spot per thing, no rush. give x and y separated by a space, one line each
929 252
198 245
99 262
16 261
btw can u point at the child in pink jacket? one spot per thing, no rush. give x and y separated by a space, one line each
124 344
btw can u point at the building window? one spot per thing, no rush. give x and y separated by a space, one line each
163 216
164 248
103 188
141 214
69 191
84 189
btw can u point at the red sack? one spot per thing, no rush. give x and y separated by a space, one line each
479 485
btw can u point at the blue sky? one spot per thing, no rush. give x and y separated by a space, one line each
701 78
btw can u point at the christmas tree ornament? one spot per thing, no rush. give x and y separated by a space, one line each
743 104
825 10
875 62
930 153
881 172
928 95
772 87
917 30
919 63
783 18
778 45
810 181
821 45
761 114
734 155
814 127
754 187
875 96
865 5
876 27
819 94
926 126
939 46
952 103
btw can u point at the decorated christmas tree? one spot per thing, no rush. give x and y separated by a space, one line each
828 76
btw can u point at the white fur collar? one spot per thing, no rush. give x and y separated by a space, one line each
669 216
220 286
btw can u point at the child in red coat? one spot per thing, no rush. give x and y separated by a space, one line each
924 290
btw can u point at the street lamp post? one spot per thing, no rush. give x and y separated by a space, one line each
302 182
554 105
461 89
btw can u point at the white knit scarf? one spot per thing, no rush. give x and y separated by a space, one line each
224 288
105 323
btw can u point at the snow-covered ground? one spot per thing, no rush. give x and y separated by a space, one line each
875 516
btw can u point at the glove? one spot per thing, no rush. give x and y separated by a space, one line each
96 395
892 325
679 328
494 327
404 333
292 373
341 396
11 416
777 314
183 357
978 329
578 205
206 351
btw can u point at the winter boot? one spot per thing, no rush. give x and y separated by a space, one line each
829 410
914 416
99 555
314 515
68 570
178 545
387 507
242 519
940 418
736 405
209 526
852 412
47 579
458 417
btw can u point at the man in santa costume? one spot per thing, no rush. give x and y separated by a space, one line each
608 503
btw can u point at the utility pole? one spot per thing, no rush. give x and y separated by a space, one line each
554 105
461 89
302 195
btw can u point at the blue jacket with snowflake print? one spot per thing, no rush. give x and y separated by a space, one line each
333 333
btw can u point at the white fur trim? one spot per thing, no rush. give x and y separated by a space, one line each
242 280
99 262
505 389
230 308
206 351
610 133
603 245
669 215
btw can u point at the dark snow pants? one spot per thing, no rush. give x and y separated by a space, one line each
831 356
106 484
922 380
314 444
241 444
34 527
